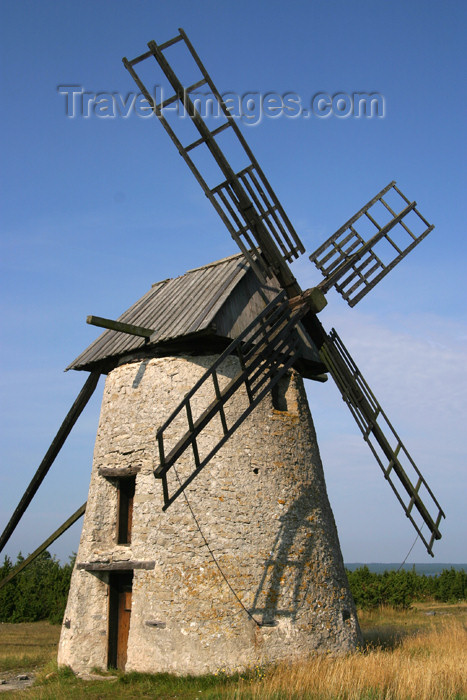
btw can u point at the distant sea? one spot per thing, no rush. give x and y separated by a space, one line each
427 569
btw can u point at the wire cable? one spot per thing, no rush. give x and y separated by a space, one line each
252 617
408 553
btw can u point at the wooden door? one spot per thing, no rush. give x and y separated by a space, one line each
119 618
124 612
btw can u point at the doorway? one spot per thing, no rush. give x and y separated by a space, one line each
120 589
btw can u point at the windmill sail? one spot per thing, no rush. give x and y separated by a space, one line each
244 199
411 489
266 349
354 262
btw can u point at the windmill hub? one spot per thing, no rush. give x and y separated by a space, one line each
314 298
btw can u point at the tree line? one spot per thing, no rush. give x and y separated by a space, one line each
402 588
40 591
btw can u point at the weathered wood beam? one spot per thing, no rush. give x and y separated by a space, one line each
117 472
55 447
314 298
63 528
119 326
125 565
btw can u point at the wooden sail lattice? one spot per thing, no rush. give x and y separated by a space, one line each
244 200
384 442
266 349
353 262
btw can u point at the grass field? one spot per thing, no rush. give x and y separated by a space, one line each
27 645
407 655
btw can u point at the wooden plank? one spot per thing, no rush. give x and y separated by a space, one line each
202 140
365 409
168 500
118 472
124 615
138 59
330 281
299 245
63 528
112 325
170 42
351 221
243 204
127 565
55 447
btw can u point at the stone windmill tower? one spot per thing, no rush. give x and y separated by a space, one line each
208 538
247 567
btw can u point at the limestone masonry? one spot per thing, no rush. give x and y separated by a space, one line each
245 569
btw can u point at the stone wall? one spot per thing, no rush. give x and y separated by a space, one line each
245 569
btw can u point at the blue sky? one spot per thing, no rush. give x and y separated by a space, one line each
94 210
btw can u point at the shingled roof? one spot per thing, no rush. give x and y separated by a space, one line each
213 302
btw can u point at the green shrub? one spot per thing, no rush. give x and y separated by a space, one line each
38 593
402 588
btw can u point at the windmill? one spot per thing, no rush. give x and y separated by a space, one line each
276 337
348 261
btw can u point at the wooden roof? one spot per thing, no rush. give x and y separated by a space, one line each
200 311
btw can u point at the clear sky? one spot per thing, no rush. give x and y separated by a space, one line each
96 209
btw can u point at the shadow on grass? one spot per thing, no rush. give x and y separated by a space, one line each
387 638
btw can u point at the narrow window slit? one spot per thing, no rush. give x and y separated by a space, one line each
126 493
279 394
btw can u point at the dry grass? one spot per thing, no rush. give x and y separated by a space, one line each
27 645
407 656
429 664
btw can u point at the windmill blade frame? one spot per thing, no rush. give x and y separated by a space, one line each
353 263
266 349
380 436
245 201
